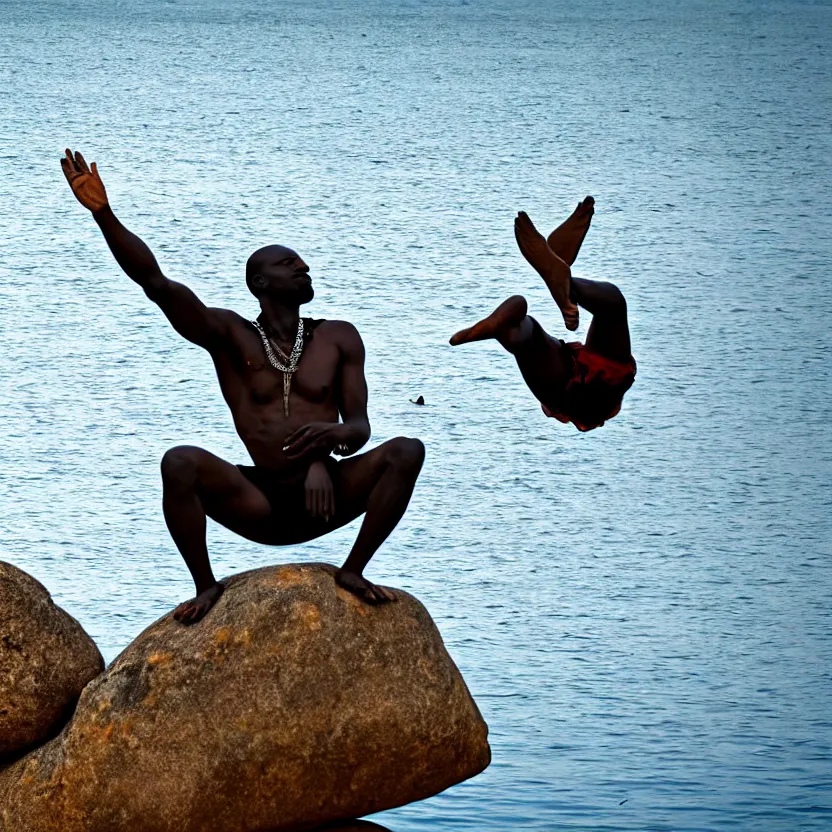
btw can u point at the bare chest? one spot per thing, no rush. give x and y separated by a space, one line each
314 381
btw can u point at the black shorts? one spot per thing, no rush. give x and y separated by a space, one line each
285 494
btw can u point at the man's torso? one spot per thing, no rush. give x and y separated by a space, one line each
253 389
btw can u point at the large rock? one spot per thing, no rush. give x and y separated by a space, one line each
290 705
46 658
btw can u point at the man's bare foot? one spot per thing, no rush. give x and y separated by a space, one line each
509 313
192 611
362 588
566 239
555 273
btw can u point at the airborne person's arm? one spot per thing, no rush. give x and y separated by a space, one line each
187 313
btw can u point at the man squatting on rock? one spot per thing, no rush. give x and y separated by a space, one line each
286 379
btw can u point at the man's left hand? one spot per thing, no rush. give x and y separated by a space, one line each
316 437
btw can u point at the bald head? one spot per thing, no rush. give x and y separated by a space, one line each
263 257
280 271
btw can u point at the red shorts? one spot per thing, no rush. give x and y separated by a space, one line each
595 372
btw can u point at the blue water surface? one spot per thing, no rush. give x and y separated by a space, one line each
641 612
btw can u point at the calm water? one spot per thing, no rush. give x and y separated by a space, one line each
643 612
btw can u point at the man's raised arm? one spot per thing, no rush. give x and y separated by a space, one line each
186 312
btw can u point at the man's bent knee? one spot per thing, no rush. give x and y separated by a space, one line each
406 455
180 465
616 298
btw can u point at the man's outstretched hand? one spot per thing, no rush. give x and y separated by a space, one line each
86 184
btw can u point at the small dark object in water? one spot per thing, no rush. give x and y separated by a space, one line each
420 400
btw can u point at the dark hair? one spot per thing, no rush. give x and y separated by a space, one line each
591 404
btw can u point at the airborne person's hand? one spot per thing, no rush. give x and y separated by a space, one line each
86 184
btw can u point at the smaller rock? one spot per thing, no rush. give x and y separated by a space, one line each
46 659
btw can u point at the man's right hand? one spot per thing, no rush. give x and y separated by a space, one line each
320 494
86 184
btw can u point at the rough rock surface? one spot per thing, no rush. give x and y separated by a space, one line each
290 705
46 658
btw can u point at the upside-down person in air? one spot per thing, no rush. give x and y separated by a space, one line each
286 380
579 383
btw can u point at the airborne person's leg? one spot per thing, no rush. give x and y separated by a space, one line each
567 238
608 333
565 241
539 357
555 272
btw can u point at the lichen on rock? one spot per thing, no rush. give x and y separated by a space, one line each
292 704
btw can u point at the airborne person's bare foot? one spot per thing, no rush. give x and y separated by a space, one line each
566 239
189 612
554 271
362 588
509 313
